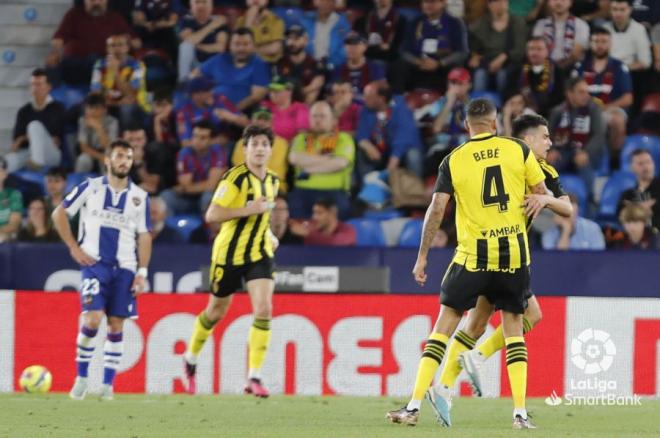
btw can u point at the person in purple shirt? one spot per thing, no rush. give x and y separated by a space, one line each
240 74
199 167
358 70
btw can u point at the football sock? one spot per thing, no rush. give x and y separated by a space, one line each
258 341
495 342
516 365
201 331
112 351
431 359
84 349
462 342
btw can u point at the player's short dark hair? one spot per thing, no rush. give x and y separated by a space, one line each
572 82
254 130
481 107
240 31
40 72
94 99
119 143
639 151
525 122
327 203
58 171
205 124
599 30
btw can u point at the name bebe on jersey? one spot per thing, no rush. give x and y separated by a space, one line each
486 154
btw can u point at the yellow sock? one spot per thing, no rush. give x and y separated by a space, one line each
434 351
462 342
495 342
516 365
258 340
203 328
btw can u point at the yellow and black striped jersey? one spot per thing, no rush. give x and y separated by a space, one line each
488 176
245 239
551 182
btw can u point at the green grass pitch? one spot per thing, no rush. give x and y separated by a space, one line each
31 415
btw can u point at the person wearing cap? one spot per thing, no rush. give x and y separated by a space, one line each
326 29
267 27
385 29
202 36
39 128
448 114
307 73
204 104
436 43
357 69
11 207
387 135
323 161
240 75
496 50
278 160
289 117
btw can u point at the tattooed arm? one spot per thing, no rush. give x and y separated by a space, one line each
432 222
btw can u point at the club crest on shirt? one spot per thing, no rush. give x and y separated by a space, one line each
136 201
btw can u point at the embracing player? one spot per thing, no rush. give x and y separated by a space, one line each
113 248
242 252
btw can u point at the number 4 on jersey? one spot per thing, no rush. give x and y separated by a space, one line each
493 181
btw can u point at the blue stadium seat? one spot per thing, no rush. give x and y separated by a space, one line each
69 95
410 14
32 176
383 215
637 141
494 97
603 168
615 185
185 224
411 234
290 16
75 178
574 184
369 232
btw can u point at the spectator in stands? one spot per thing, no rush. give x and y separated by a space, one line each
514 107
636 234
436 43
567 36
200 167
96 129
267 27
497 46
325 228
387 135
154 21
39 128
38 228
11 207
541 80
647 191
55 186
578 133
346 109
326 29
289 117
81 39
307 73
630 42
120 78
323 161
610 83
448 114
201 35
357 69
144 171
163 120
204 104
384 28
278 161
574 232
527 9
279 223
240 74
161 233
655 35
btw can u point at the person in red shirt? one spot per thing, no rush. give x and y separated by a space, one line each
325 228
80 40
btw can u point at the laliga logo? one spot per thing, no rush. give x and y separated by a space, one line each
593 351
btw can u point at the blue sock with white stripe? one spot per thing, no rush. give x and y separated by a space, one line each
112 351
84 349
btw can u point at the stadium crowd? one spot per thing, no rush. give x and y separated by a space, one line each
365 98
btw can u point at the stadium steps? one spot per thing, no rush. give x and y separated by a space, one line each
14 12
28 34
24 56
13 97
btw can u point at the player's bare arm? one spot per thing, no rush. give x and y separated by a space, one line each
561 206
144 245
61 222
534 204
432 221
216 213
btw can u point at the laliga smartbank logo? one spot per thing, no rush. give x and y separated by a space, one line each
592 352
